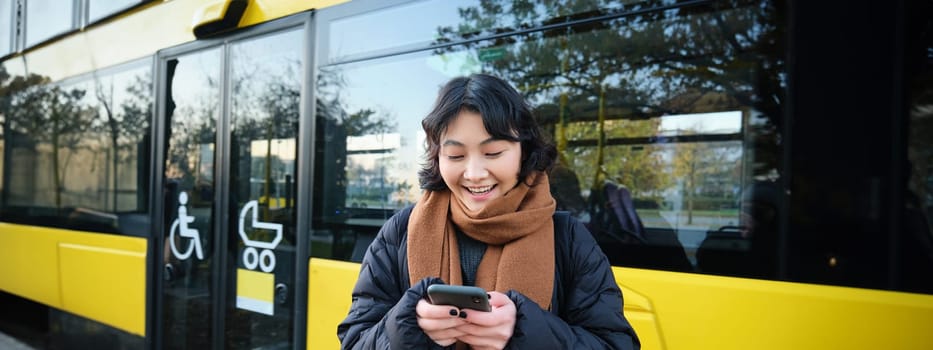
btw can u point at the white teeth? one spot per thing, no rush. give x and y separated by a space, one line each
483 189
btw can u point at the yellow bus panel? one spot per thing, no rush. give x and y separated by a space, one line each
105 284
711 312
98 276
639 312
330 284
681 311
29 263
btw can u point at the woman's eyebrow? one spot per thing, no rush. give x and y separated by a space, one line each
460 144
453 143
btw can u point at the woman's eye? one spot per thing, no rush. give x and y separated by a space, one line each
495 154
454 157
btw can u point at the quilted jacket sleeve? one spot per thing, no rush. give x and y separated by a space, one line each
590 311
382 315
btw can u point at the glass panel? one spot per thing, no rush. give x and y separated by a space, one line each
266 77
393 28
82 153
47 18
98 9
12 81
916 250
192 111
6 26
663 121
368 148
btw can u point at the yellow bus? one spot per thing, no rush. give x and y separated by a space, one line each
187 174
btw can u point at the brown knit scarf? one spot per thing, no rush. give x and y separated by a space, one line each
518 229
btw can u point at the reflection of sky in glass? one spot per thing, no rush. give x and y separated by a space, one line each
98 9
702 123
284 149
403 88
114 90
418 78
6 26
129 78
47 18
390 28
258 65
417 24
268 58
196 79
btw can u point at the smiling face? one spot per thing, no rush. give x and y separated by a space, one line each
476 167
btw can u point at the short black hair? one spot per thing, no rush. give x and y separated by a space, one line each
506 116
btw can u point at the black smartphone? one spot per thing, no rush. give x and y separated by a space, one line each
463 297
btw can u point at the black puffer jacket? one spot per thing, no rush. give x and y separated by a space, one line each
586 311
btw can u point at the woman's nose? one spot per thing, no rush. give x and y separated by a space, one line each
475 170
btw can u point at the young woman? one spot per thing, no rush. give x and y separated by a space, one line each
487 219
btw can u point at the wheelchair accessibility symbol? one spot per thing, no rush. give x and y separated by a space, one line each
180 227
255 289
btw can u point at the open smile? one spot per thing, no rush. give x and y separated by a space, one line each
480 190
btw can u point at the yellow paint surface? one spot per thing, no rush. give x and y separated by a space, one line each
711 312
98 276
681 311
255 284
104 284
330 284
29 263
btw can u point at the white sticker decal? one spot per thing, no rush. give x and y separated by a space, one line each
255 289
180 227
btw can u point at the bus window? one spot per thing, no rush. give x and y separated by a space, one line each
99 9
916 248
6 27
48 18
365 154
672 126
652 174
83 152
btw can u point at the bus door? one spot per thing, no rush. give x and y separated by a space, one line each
228 120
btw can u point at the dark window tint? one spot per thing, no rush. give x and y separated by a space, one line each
192 110
917 241
81 151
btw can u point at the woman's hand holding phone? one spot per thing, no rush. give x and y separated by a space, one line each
439 322
490 330
454 313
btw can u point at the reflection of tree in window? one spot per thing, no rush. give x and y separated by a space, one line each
266 92
54 120
370 147
125 120
603 82
640 63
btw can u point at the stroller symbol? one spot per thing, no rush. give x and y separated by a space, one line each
252 257
181 223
